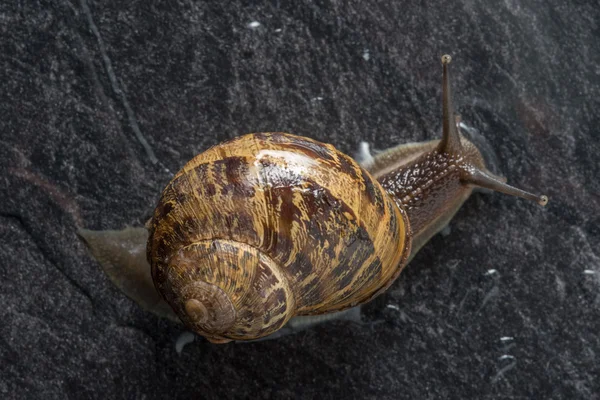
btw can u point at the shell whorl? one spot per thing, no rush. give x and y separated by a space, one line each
226 289
273 225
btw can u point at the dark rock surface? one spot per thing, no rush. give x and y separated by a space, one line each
102 101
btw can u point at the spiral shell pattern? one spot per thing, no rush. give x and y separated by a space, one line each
267 226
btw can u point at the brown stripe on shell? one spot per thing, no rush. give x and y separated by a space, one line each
305 145
350 236
232 173
355 291
349 167
399 228
375 196
262 136
352 262
275 306
363 179
163 209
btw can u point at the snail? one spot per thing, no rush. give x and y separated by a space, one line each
268 226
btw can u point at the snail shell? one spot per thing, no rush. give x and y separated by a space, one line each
268 226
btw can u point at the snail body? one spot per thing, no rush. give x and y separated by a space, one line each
269 226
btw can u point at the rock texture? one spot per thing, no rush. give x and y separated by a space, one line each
101 102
